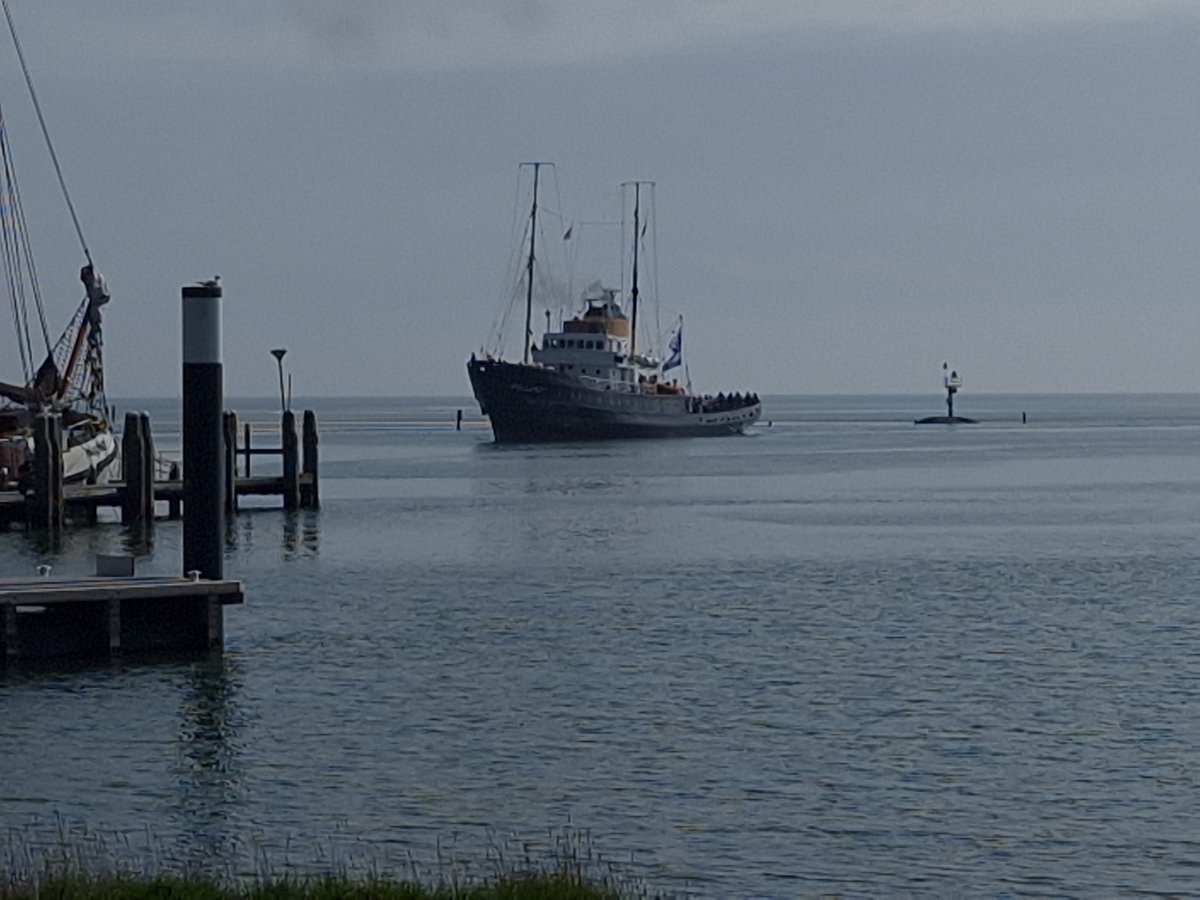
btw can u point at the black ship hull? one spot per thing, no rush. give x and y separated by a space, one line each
533 404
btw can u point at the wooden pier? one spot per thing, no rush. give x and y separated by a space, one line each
46 617
147 480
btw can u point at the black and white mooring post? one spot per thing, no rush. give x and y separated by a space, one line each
203 432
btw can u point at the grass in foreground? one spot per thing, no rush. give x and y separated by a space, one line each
538 886
72 862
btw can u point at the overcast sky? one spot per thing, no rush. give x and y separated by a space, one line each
848 193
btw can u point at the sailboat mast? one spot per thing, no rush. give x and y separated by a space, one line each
633 290
529 265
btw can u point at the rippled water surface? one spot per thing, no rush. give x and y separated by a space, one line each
841 654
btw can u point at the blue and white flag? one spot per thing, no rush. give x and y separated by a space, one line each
676 348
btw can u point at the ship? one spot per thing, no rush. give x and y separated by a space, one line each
589 380
64 376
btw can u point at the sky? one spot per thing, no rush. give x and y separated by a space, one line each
847 193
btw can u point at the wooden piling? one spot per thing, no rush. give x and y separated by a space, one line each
146 488
47 498
137 470
310 490
230 434
246 447
291 469
174 503
131 468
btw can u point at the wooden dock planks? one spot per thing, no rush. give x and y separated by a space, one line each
56 617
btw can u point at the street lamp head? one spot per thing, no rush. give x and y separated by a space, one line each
278 354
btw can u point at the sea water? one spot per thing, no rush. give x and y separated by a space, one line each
841 653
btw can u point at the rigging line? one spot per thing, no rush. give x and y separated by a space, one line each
22 258
512 286
22 234
45 130
12 262
512 280
19 310
567 262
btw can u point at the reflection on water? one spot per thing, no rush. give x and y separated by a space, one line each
296 532
301 533
138 538
210 772
115 755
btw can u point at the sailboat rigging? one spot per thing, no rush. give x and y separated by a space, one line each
69 380
589 380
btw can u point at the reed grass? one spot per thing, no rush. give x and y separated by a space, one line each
73 863
544 886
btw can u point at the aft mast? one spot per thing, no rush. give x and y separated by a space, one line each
633 290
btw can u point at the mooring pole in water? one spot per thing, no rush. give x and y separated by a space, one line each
229 447
137 465
310 497
47 512
203 432
291 460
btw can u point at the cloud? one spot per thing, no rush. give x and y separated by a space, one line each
469 34
472 33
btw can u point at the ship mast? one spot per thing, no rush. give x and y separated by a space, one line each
529 264
633 290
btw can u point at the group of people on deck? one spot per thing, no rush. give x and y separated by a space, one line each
722 402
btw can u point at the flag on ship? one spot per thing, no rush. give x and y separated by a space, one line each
676 348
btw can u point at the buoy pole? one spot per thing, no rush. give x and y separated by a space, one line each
203 432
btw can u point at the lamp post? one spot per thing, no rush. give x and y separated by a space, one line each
279 354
